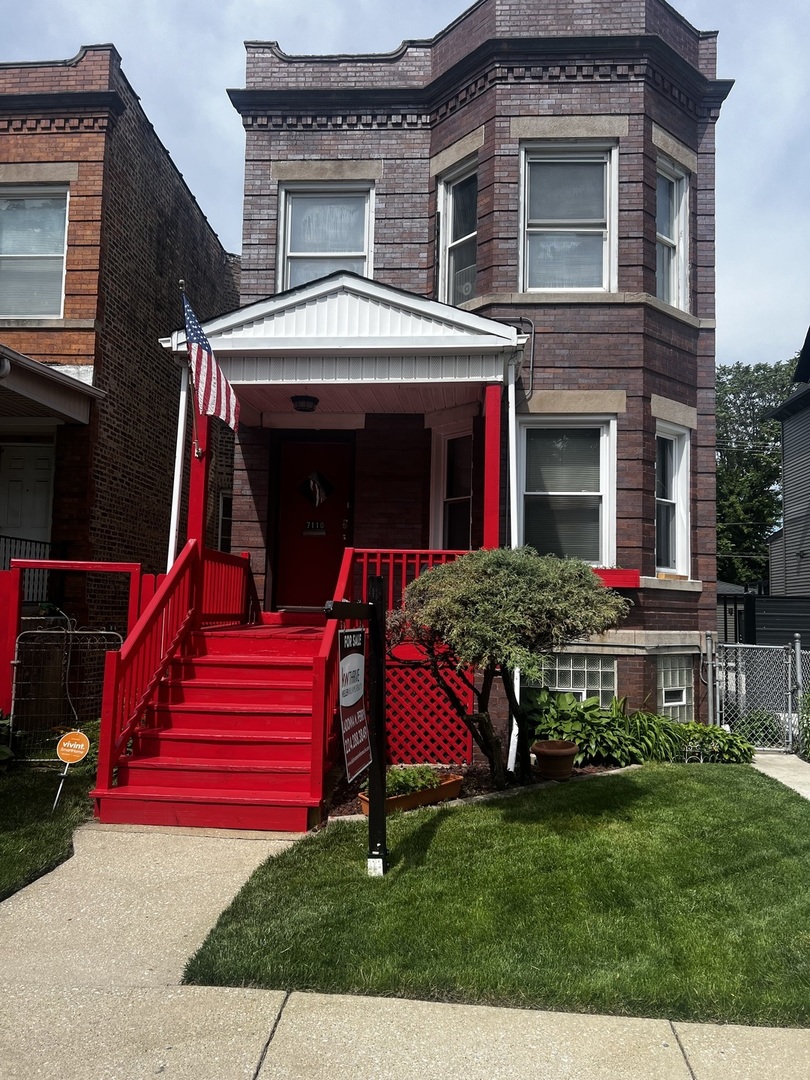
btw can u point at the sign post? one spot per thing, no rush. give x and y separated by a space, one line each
355 739
71 749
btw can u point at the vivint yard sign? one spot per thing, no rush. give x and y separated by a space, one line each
353 715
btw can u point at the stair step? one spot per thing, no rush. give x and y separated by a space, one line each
229 719
208 692
259 641
278 748
243 667
219 777
200 809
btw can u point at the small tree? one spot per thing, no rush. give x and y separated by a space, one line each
496 610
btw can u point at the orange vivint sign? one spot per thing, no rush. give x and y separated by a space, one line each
72 747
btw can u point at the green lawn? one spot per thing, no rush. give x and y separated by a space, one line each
670 890
32 839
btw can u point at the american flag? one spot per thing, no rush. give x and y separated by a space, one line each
215 396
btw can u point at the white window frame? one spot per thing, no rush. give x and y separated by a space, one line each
43 191
607 474
441 437
680 439
224 519
677 245
675 675
447 185
573 150
287 195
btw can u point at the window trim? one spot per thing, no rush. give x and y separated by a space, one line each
442 435
33 191
607 473
288 190
447 183
679 297
582 149
681 439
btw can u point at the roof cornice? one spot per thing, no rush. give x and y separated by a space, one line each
520 52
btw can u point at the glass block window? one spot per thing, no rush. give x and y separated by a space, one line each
583 676
676 687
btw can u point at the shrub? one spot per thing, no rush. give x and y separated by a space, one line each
610 736
602 735
403 779
713 744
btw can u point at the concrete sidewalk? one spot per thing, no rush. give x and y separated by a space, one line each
93 955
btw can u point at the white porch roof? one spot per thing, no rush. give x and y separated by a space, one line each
359 346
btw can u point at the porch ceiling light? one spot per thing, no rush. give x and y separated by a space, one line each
304 402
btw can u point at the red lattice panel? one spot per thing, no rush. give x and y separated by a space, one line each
421 725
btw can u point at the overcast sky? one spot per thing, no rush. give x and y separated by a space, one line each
180 57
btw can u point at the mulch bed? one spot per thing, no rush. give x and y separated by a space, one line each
477 781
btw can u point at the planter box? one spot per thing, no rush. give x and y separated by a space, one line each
447 789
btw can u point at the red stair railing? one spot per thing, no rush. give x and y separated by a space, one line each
326 685
201 589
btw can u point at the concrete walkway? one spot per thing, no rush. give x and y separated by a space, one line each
93 955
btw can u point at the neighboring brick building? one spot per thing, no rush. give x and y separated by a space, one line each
534 164
96 228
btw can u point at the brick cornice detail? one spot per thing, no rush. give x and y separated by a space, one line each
519 61
59 112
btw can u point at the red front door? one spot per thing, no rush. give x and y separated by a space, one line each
314 520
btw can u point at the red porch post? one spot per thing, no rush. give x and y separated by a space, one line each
198 481
492 466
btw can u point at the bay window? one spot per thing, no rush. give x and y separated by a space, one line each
568 489
569 204
672 500
459 238
671 270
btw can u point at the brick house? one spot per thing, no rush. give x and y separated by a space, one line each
544 170
96 228
477 309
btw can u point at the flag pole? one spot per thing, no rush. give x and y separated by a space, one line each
179 457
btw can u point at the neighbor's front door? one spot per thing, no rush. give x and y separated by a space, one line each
314 520
26 489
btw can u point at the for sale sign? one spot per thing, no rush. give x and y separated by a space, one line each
353 715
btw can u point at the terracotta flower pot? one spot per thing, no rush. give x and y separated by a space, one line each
447 789
555 758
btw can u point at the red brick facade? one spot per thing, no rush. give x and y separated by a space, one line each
134 229
505 76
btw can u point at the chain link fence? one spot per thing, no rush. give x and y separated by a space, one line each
58 684
756 686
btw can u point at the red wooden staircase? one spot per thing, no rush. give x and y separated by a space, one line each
228 740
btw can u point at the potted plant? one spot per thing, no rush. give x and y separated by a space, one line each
409 786
555 758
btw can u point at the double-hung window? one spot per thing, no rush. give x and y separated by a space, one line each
671 246
568 489
672 500
459 237
325 229
33 228
569 204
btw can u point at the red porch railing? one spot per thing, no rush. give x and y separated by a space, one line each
201 589
397 569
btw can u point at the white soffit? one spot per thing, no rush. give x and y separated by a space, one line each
344 320
42 390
